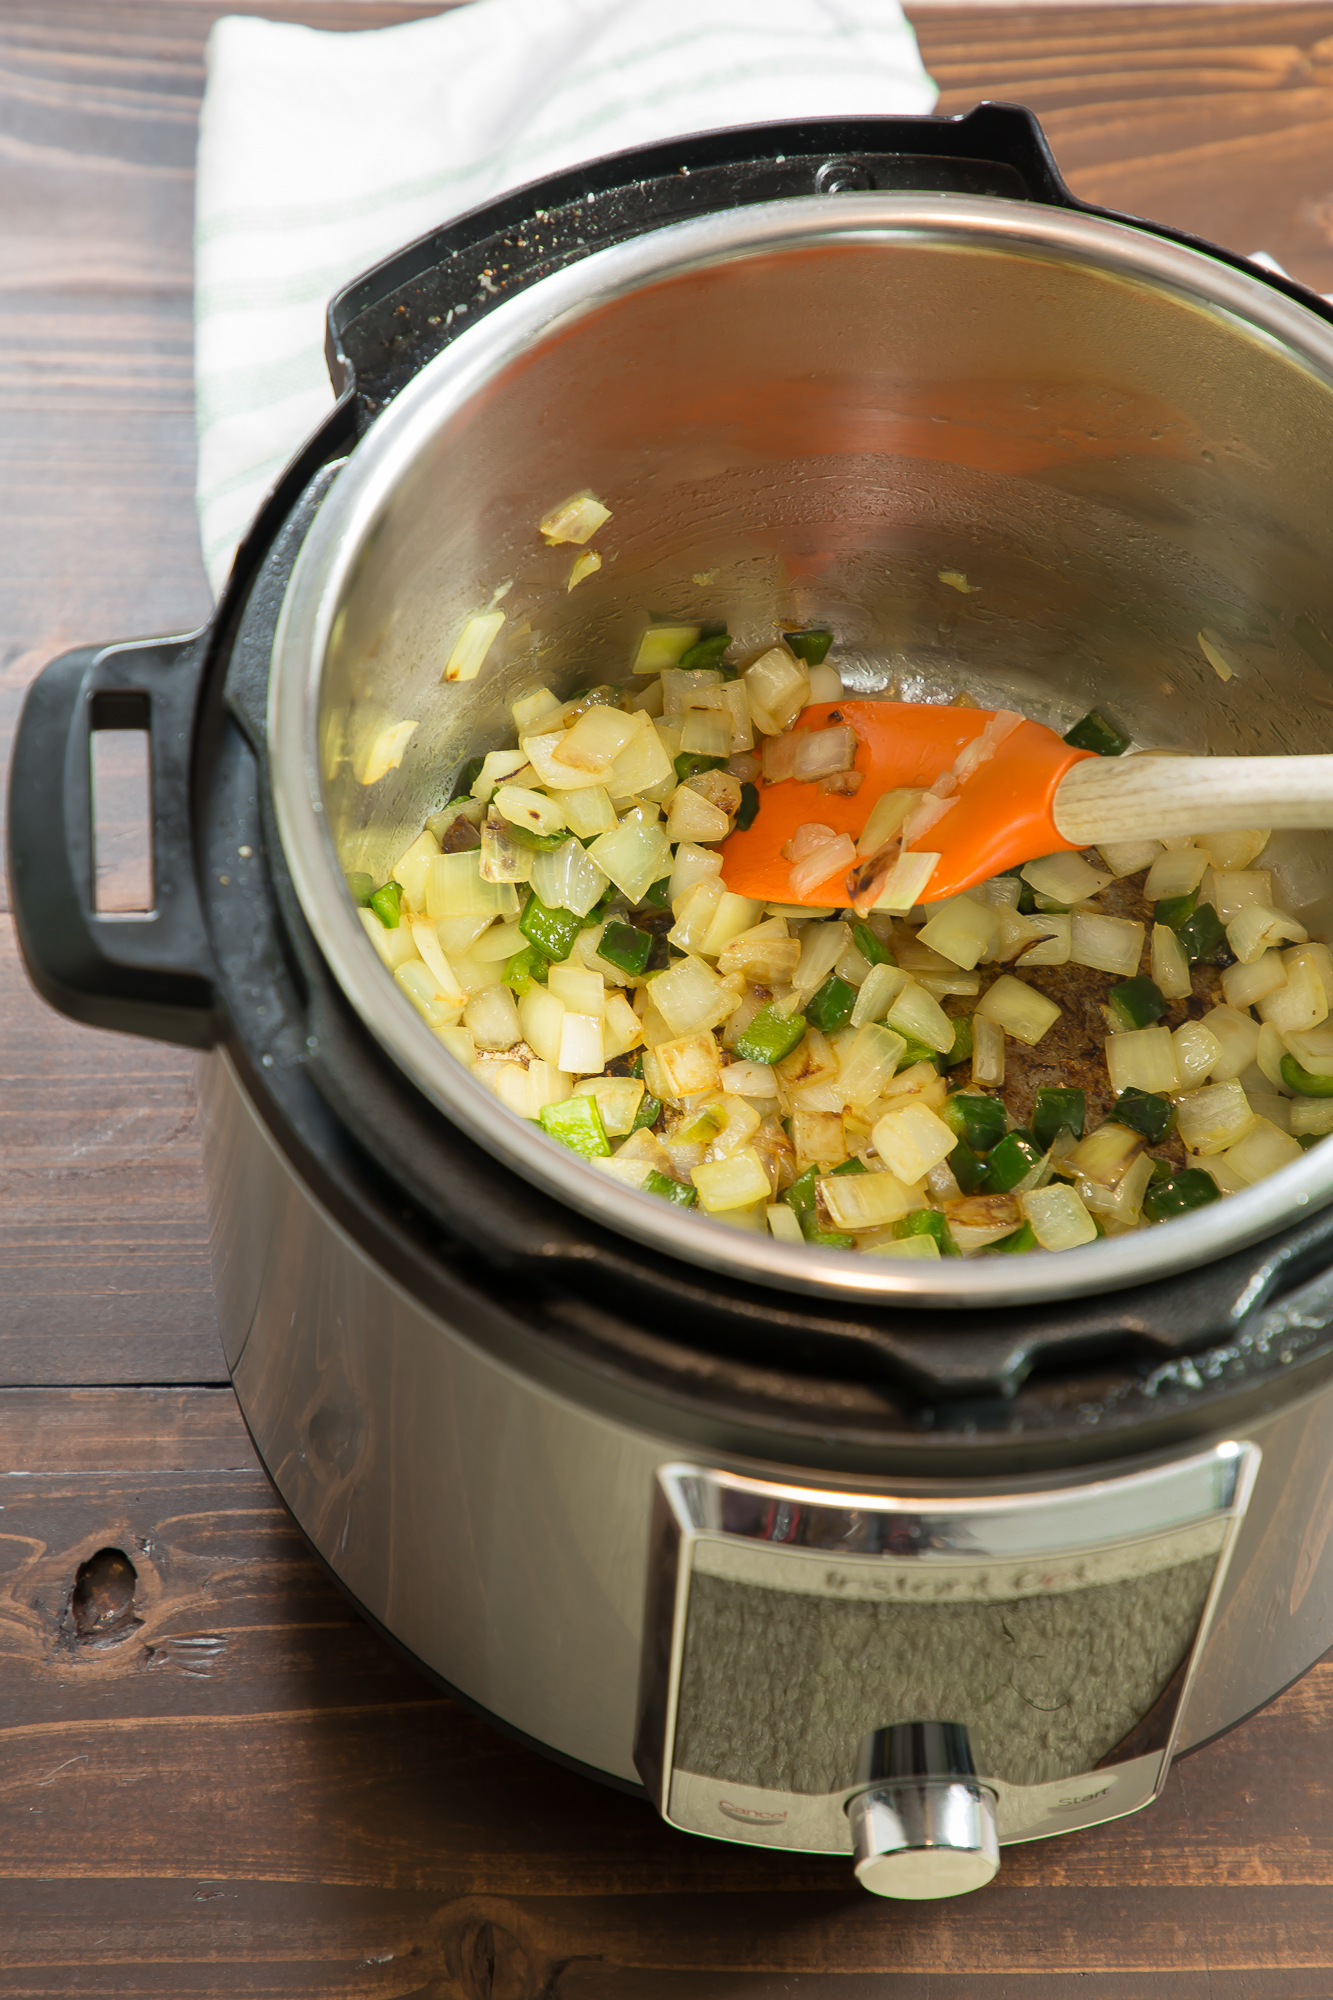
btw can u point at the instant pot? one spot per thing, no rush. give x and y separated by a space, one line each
813 1551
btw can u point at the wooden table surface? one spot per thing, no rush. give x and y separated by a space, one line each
214 1781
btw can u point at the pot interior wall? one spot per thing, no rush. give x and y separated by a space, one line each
815 434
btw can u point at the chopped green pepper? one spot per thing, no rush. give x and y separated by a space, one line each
961 1050
1162 1170
680 1192
1173 911
576 1123
1307 1139
658 895
360 888
552 931
1190 1189
468 773
387 903
800 1196
926 1222
1202 935
1137 1003
1096 732
831 1004
1304 1081
691 763
979 1120
626 948
705 652
1056 1111
748 809
852 1166
770 1036
972 1174
1143 1111
1012 1161
1027 895
1022 1239
872 949
526 969
543 843
812 645
916 1052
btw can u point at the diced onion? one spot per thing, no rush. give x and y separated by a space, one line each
1059 1219
693 817
568 878
575 520
784 1223
541 1015
911 1141
1311 1115
862 1201
1197 1050
1243 985
1129 857
777 688
963 930
1313 1048
381 751
822 945
706 732
1239 1037
1105 1154
869 1065
1056 941
491 1016
687 1065
662 645
987 1052
915 1249
528 707
1143 1059
412 867
821 752
1268 1056
750 1079
1263 1151
636 855
878 990
694 913
1065 878
1170 967
1107 944
423 990
1214 1118
1235 890
916 1014
1229 851
733 917
1302 1003
906 882
588 810
835 857
1175 873
472 645
579 987
886 819
1258 928
735 1182
1018 1009
586 565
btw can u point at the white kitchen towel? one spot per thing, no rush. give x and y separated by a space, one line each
319 153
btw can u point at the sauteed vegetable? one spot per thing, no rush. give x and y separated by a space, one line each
1096 1043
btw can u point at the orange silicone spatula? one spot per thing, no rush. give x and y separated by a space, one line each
1033 796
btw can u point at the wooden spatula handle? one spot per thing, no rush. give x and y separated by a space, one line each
1150 797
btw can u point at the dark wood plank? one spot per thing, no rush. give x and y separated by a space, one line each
246 1794
104 1273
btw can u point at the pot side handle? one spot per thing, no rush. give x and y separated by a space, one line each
145 974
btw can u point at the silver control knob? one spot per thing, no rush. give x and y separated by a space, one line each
919 1838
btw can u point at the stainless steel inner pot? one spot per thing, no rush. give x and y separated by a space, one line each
806 410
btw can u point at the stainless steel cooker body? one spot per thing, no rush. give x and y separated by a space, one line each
820 1552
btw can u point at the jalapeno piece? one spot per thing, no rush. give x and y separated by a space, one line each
1203 935
1022 1239
981 1121
626 948
526 969
658 895
872 949
831 1005
705 652
812 646
1056 1111
962 1044
468 773
1095 731
387 903
670 1190
1145 1112
926 1222
1303 1080
770 1036
576 1123
800 1196
1012 1161
748 809
691 763
1137 1003
852 1166
1190 1189
1173 911
971 1173
552 932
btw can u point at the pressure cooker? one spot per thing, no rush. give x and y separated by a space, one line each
851 1555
